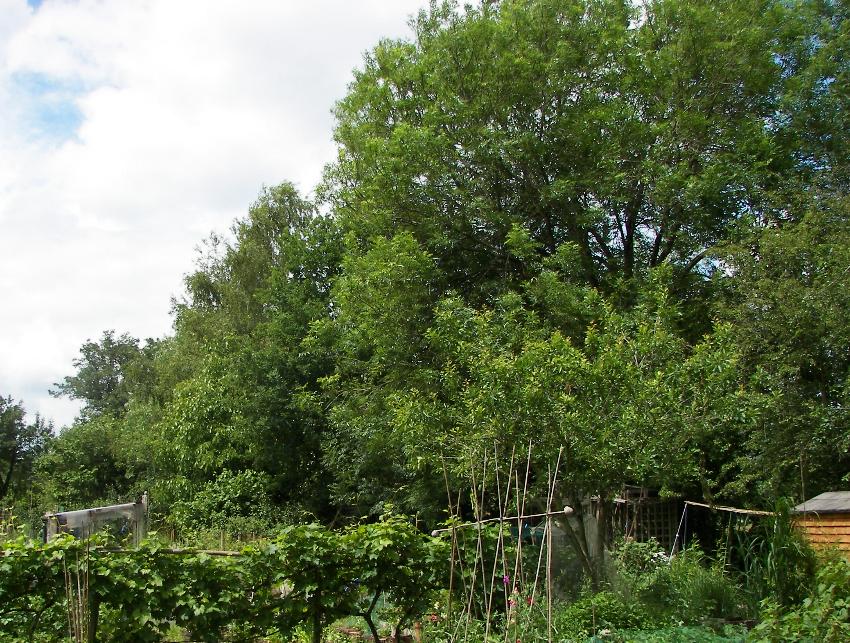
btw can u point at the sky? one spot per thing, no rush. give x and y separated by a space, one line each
132 129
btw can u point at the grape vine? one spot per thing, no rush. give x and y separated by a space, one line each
308 575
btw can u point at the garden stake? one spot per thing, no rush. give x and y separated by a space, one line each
454 545
549 546
477 549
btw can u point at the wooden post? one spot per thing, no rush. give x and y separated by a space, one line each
549 562
94 614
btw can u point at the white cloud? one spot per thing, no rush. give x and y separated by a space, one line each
132 130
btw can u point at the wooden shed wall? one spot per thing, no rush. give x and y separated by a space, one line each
826 530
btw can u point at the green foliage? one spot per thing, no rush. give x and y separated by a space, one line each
308 575
21 443
615 231
246 401
319 569
481 557
789 307
634 559
682 634
824 615
142 592
107 371
602 611
32 593
685 589
778 563
384 299
637 140
87 465
540 220
237 503
393 559
206 423
505 379
136 594
691 591
327 574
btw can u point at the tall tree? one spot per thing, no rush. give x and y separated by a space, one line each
20 443
790 308
637 131
101 381
815 110
245 403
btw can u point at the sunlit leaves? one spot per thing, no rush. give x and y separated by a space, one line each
625 406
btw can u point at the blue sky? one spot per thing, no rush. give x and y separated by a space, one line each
48 104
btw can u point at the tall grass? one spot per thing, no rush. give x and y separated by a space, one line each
776 562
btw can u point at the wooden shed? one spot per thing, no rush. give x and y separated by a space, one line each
825 520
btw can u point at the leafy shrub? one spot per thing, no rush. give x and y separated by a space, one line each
237 503
635 566
634 558
137 594
684 589
689 590
602 611
823 616
307 577
141 592
32 591
393 558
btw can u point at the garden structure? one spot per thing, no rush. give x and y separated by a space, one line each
641 514
825 521
129 519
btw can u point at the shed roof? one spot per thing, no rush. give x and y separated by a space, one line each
828 502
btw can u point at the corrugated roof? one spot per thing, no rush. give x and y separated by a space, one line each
829 502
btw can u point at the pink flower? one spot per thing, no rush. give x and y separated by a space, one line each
506 579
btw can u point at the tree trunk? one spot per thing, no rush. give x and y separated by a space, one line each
4 485
317 623
586 531
405 617
367 616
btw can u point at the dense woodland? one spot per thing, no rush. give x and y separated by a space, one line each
616 231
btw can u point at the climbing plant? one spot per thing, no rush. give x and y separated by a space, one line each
308 575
